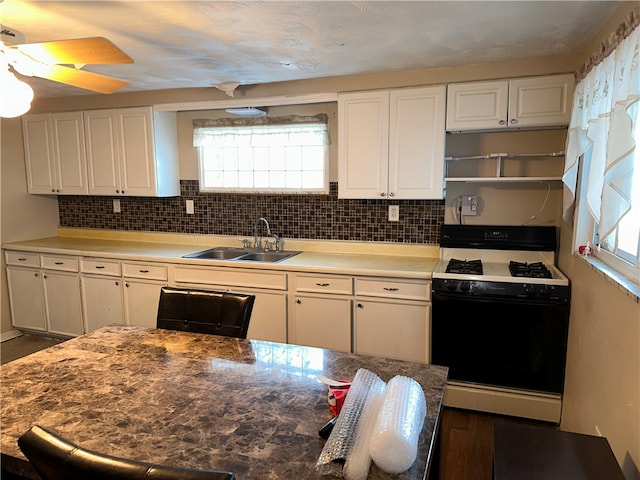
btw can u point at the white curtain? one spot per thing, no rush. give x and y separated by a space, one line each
605 106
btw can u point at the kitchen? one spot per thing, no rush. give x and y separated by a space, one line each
601 389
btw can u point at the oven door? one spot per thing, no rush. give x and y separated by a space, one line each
502 341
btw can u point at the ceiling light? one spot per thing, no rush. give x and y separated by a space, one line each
247 111
16 95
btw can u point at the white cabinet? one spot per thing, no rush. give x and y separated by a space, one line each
519 103
101 289
132 151
142 285
44 293
269 314
321 311
391 143
392 318
55 153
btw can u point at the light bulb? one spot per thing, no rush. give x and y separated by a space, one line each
15 95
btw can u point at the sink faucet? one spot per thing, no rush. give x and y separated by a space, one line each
256 240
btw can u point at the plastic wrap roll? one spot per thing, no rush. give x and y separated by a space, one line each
340 443
394 443
358 460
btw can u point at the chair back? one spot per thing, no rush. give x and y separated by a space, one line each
56 458
205 311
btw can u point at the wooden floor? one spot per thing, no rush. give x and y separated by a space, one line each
466 444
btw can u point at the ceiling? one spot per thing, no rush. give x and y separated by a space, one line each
185 44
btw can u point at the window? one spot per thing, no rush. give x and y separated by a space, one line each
263 155
603 159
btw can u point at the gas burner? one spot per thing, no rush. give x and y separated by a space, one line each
532 270
473 267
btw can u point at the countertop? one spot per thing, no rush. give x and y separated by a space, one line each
408 266
202 401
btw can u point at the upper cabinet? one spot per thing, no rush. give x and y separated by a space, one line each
55 153
520 103
132 151
391 143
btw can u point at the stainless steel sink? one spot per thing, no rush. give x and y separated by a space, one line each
217 253
239 254
271 257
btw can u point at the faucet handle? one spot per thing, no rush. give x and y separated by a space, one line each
245 242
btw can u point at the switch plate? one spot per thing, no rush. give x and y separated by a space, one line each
189 206
116 205
394 213
470 205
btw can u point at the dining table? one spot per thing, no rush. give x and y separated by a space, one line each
194 400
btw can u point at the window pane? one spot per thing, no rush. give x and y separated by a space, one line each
277 180
294 179
312 180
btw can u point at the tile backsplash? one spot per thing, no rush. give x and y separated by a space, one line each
324 217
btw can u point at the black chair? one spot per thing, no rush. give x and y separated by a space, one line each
56 458
205 311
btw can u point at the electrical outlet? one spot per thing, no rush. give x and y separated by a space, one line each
470 205
116 205
394 213
189 207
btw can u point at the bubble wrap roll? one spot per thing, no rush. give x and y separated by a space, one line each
394 443
343 436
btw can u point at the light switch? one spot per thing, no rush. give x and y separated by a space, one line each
116 205
189 206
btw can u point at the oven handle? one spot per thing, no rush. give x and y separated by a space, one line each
437 296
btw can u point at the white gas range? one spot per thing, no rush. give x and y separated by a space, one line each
500 312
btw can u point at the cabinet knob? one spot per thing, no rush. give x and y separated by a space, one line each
299 302
53 190
117 191
44 276
117 283
502 122
514 121
391 194
35 274
360 305
126 284
57 190
383 194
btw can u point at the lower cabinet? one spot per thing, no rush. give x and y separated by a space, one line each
102 301
141 299
322 322
269 315
44 293
394 329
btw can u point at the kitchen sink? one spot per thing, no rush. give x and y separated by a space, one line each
272 256
230 253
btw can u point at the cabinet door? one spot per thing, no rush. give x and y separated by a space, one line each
39 153
102 152
540 101
416 143
269 316
102 302
62 299
363 144
477 105
397 330
26 298
141 300
135 131
323 322
70 156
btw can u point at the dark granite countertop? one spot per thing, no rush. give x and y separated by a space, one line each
202 401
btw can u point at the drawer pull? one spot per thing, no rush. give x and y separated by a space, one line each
299 302
360 305
143 271
99 267
391 289
22 259
58 263
323 284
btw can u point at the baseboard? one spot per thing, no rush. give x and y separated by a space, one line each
4 336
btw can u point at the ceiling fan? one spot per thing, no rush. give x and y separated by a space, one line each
60 61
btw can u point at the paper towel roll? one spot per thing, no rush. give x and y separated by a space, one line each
394 443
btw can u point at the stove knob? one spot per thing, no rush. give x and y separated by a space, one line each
450 285
465 286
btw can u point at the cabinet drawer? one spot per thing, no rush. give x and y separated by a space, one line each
100 266
143 270
394 288
323 284
59 262
22 258
231 277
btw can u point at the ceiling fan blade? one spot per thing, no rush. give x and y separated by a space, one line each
80 78
94 50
